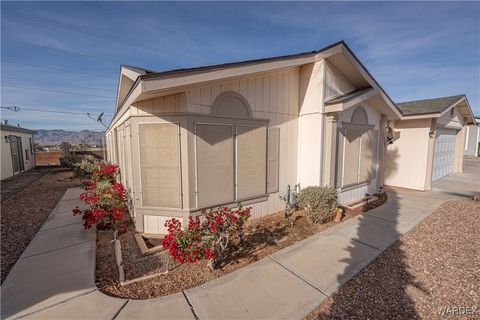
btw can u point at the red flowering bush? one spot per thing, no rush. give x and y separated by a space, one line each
206 237
105 198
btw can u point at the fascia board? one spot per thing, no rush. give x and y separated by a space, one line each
169 81
370 80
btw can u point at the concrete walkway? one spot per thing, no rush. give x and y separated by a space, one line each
55 276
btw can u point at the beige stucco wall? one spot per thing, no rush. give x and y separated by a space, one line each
6 159
406 159
311 124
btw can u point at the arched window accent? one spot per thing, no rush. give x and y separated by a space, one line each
232 105
359 116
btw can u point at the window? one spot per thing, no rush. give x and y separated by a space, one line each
160 164
215 164
251 161
230 167
358 155
358 149
231 154
27 155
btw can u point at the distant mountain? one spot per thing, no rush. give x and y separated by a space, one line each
74 137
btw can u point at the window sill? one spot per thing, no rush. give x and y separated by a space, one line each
355 186
233 204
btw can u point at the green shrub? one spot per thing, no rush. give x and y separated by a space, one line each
319 202
86 167
69 161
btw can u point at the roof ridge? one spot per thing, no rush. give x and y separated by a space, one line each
411 101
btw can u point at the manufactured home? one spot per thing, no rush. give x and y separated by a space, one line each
18 153
242 132
428 142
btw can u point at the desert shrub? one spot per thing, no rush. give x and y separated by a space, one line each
205 237
86 167
319 202
69 161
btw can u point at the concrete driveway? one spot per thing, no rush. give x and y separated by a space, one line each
466 183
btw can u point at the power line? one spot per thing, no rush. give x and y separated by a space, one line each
76 86
59 91
15 108
171 31
62 50
93 33
58 68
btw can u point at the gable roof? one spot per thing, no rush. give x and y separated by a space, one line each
239 63
150 84
427 106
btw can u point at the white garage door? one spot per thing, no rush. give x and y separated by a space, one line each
443 158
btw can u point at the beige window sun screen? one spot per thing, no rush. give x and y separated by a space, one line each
251 161
159 164
215 175
367 156
352 150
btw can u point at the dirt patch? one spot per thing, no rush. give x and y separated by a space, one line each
25 212
262 237
433 267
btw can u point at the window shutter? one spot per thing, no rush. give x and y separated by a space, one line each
273 159
339 164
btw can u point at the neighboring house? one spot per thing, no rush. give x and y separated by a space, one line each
473 139
428 141
18 152
242 132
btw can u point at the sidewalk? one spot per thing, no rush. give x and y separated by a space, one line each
55 276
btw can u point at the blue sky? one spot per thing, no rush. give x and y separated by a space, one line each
65 56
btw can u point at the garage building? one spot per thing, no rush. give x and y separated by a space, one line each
428 142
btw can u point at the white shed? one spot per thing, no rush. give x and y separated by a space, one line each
18 153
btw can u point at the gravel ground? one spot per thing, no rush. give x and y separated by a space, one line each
23 214
436 265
